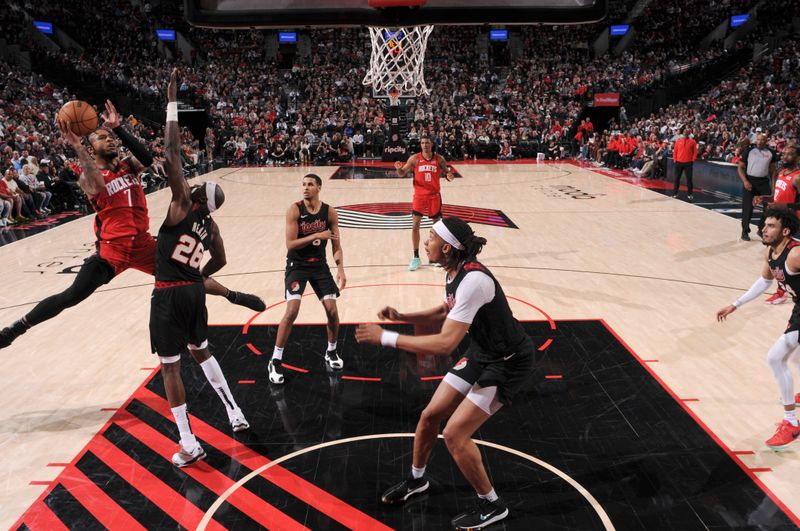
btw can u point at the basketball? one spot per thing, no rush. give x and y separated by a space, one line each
81 116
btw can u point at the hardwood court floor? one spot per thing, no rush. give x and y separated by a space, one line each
585 247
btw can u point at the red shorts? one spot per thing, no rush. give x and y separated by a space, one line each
137 252
427 205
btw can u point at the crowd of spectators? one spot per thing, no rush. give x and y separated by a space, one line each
317 109
263 114
760 98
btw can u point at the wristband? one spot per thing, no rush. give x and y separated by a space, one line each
172 111
389 338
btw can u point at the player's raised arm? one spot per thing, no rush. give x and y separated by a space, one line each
181 195
91 180
403 169
140 158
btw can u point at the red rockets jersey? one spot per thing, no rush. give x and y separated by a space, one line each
427 175
121 206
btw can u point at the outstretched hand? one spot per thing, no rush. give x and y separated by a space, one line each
725 312
389 314
369 333
69 135
172 88
111 118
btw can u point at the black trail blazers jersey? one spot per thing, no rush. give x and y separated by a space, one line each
307 224
494 328
788 283
180 247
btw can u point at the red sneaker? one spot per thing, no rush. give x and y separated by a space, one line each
785 435
779 298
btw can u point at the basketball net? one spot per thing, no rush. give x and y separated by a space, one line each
397 60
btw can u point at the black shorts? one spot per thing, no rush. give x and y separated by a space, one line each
794 320
178 317
316 273
509 375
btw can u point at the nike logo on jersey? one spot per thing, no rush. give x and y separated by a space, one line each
506 358
305 216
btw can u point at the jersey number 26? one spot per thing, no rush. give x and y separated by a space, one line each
189 251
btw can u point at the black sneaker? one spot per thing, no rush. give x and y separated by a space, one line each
745 237
483 514
404 490
248 300
10 333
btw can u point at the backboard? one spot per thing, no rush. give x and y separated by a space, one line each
323 13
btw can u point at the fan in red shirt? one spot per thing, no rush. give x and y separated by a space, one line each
428 169
114 188
787 187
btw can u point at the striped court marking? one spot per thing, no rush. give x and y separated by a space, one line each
601 513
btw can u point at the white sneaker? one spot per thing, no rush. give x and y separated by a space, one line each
238 422
183 458
333 360
275 375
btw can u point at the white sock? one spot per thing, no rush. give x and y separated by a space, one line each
489 496
188 440
417 473
277 353
791 416
217 380
331 346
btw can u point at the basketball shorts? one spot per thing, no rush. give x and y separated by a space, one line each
427 205
137 252
178 318
318 274
492 385
794 320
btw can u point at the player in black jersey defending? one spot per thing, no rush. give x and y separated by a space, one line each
497 364
310 223
782 263
178 315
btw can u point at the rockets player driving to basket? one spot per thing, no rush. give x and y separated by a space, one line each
114 188
428 169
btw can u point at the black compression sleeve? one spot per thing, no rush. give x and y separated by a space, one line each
136 148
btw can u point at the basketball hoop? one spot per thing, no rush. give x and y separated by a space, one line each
397 60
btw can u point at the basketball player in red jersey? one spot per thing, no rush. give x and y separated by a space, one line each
114 188
428 169
787 185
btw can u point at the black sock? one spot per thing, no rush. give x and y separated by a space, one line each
416 253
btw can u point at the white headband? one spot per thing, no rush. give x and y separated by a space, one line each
211 196
441 229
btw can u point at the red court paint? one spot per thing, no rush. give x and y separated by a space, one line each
361 378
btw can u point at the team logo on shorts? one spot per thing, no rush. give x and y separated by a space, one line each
460 365
294 286
316 242
397 216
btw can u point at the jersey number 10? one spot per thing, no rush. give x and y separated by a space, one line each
189 251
